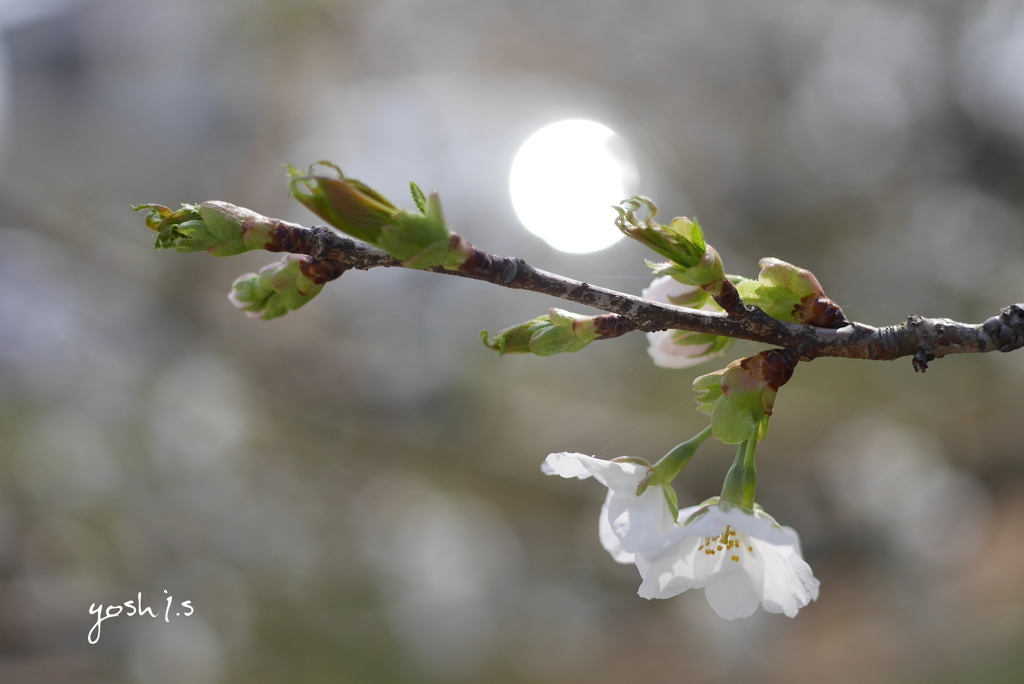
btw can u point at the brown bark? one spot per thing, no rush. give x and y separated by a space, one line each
924 339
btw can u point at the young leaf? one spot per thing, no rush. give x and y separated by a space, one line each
418 197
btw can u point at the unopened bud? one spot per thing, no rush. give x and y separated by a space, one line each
219 228
681 241
793 294
682 348
420 239
277 289
557 332
741 396
345 203
693 261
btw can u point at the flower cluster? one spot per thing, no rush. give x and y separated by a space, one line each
741 557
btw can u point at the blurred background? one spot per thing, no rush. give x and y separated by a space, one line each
352 493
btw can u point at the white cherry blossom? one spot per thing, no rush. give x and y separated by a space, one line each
628 524
679 348
740 558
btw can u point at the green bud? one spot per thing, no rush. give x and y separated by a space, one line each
681 241
559 331
708 273
514 340
791 294
277 289
741 396
219 228
420 239
345 203
692 260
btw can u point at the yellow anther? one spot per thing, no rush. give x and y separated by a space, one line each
735 558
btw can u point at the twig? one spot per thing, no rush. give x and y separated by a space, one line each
923 338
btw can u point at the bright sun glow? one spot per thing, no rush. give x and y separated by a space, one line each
565 179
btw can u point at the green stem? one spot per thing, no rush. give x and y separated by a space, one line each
741 481
732 489
672 463
749 474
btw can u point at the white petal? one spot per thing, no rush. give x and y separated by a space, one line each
685 513
565 464
642 564
616 475
732 595
752 563
708 524
664 287
665 353
641 522
769 569
609 541
788 583
670 573
764 527
706 567
662 347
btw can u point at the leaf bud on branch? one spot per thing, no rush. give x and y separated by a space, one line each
793 294
558 331
220 228
692 260
283 286
419 239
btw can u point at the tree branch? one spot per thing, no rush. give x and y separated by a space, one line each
923 338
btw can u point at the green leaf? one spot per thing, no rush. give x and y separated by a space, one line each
410 234
432 255
418 197
670 499
709 390
689 230
555 340
734 422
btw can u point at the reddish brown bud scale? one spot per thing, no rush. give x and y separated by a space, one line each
819 311
321 271
478 262
773 366
288 237
612 325
729 299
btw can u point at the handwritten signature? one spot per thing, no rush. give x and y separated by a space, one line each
131 608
